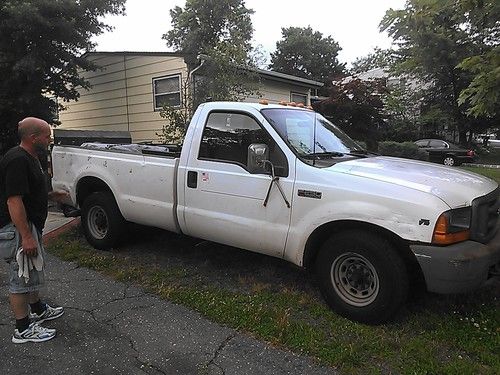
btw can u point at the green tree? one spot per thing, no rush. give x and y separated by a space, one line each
357 106
177 119
41 43
307 53
379 58
227 74
483 94
202 25
216 35
402 98
433 38
402 107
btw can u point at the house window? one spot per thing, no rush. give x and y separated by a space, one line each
298 98
167 91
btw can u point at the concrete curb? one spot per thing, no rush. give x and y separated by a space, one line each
53 234
494 166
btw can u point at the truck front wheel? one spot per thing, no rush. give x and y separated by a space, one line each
362 277
102 221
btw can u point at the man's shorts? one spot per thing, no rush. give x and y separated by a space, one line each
9 243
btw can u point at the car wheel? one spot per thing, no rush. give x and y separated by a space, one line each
102 221
362 276
449 161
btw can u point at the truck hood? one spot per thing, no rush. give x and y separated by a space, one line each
456 187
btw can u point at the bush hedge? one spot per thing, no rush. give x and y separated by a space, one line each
407 150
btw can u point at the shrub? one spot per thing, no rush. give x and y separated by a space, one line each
362 144
407 150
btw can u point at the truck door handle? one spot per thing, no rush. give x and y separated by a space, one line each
192 181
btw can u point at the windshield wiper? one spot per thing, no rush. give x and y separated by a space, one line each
334 154
363 153
358 153
325 154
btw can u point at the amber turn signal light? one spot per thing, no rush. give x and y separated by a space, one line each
442 234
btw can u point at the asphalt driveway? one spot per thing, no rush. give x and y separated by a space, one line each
110 327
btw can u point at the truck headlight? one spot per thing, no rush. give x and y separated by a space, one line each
452 226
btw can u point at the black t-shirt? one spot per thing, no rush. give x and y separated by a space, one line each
22 174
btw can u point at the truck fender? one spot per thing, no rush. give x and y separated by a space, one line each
323 232
87 185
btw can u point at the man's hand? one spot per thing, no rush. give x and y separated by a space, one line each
60 196
18 216
30 246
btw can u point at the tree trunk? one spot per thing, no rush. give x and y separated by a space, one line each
462 137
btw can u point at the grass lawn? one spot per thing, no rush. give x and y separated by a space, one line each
492 157
434 334
493 173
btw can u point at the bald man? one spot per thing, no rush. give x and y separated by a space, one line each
23 211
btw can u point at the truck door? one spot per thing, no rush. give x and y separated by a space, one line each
224 201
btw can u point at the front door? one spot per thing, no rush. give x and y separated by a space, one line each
224 201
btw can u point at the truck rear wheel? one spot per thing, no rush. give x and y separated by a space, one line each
362 277
102 221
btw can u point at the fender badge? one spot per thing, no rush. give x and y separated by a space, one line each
424 222
309 194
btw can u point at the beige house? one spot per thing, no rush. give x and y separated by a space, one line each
129 89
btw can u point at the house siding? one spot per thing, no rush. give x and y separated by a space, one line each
276 92
121 96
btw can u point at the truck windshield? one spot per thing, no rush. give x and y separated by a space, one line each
310 134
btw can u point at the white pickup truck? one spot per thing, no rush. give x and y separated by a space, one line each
285 182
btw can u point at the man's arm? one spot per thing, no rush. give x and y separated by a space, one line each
19 218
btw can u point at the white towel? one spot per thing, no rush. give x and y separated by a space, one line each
27 263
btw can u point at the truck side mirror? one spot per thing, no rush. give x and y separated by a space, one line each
257 153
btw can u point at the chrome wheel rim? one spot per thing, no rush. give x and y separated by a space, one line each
97 222
354 279
449 161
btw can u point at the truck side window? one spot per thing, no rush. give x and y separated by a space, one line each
226 137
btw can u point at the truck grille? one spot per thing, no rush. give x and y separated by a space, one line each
485 215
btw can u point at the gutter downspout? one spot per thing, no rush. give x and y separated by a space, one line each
203 58
126 91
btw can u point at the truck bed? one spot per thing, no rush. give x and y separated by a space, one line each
142 178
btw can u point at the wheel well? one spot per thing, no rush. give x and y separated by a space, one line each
322 233
87 186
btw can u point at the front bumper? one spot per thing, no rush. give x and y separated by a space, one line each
460 267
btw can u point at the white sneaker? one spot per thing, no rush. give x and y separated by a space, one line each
34 333
49 314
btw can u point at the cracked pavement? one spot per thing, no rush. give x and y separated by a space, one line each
110 327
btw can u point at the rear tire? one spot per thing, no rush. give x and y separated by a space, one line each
362 277
102 221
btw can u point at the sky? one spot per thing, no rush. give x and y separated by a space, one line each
352 23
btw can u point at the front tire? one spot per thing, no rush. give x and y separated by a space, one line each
362 277
449 161
102 221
